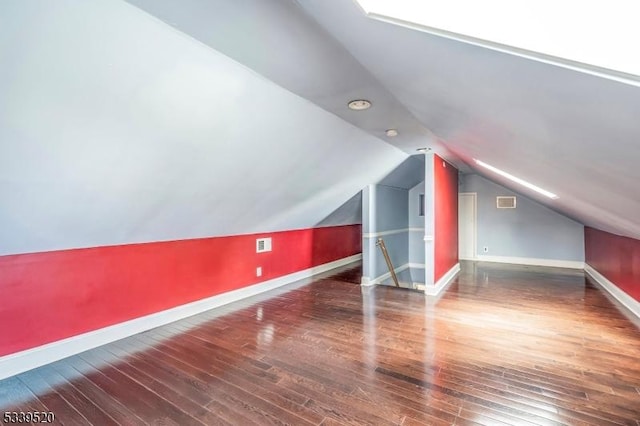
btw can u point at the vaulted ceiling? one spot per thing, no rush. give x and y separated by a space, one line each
151 120
572 133
115 128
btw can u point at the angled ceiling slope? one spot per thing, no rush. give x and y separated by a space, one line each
574 134
278 40
115 128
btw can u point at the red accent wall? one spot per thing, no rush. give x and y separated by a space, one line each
54 295
615 257
446 217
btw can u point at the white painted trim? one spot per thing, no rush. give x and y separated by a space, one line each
442 283
629 302
366 281
429 215
474 243
383 233
416 229
571 264
17 363
417 265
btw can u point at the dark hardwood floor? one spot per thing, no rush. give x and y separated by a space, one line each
504 345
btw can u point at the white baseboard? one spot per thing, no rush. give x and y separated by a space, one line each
434 290
366 281
622 297
19 362
572 264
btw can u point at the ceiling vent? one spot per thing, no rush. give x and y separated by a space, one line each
506 202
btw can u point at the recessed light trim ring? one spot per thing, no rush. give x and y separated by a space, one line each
359 104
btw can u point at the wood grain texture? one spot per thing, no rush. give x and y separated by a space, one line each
505 345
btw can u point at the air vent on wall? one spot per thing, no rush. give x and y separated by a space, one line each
263 245
506 202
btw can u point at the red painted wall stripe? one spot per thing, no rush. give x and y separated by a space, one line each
615 257
446 217
54 295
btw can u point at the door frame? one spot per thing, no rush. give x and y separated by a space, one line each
474 196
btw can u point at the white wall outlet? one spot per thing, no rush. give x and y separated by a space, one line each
485 249
259 271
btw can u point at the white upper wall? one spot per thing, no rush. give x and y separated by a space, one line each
116 128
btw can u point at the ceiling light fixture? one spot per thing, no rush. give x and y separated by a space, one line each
391 133
359 104
423 150
517 180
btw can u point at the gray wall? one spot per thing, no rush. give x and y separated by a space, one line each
416 233
391 206
384 209
531 230
347 214
416 226
116 128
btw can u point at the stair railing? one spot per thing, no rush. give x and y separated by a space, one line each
385 253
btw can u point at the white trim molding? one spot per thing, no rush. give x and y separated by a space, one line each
629 302
19 362
474 242
366 281
571 264
383 233
443 282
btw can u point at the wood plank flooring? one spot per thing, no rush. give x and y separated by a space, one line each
505 345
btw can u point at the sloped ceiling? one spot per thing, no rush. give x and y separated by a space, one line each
128 122
278 40
406 175
574 134
115 128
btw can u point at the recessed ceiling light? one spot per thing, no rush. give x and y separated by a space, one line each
391 133
517 180
359 104
423 150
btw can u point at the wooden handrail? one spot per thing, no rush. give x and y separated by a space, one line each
380 243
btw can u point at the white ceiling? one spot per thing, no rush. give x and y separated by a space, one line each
115 128
574 134
278 40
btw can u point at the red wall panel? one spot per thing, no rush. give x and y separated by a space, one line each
54 295
446 217
615 257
